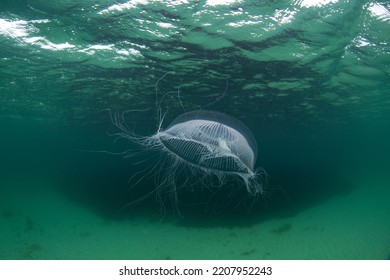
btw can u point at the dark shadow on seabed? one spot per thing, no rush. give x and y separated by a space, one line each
305 170
301 176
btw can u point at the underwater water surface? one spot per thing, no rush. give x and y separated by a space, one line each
309 78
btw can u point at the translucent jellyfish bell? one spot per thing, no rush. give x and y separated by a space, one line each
207 144
214 143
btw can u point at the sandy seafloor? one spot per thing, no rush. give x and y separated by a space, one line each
39 223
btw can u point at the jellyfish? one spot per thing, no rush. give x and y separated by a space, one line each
203 147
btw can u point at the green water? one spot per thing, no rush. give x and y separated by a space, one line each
310 79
